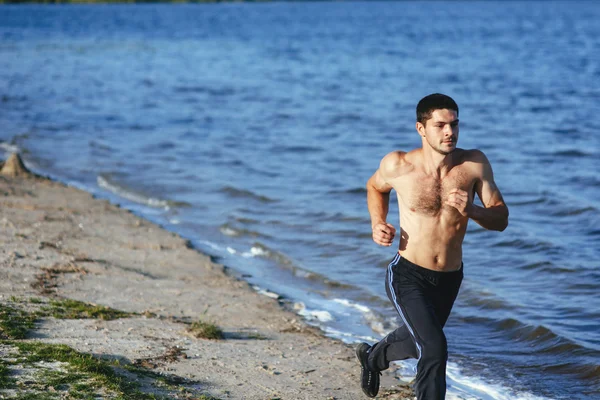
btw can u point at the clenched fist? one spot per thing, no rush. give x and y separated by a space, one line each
383 234
460 200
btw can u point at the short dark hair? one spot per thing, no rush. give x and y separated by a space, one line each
435 101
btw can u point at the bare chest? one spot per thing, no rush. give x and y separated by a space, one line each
426 195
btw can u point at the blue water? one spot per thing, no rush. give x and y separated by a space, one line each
252 128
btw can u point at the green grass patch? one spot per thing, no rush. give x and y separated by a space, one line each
74 309
205 330
85 375
79 375
37 351
15 323
5 380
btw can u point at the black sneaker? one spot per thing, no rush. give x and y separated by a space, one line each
369 380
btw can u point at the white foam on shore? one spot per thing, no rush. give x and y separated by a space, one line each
351 304
231 250
266 292
255 252
311 315
211 245
229 232
461 387
345 336
131 196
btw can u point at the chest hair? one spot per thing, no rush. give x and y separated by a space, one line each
427 197
430 193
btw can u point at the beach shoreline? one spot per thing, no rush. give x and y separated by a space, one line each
61 243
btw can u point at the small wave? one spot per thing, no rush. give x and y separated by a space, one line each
335 217
140 127
13 99
229 230
217 92
540 109
296 149
243 193
100 146
266 292
211 245
537 200
566 131
253 252
347 337
461 387
246 220
488 303
357 190
540 337
546 266
159 146
256 252
538 334
351 304
282 116
586 372
312 315
572 211
525 245
570 153
343 118
591 181
329 282
260 250
129 194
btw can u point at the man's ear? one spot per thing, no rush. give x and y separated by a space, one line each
420 128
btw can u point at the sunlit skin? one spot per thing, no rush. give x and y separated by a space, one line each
435 186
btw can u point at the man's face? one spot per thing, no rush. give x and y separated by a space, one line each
440 131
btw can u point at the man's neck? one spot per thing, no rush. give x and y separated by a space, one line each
435 163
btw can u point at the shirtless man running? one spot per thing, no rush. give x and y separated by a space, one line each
435 186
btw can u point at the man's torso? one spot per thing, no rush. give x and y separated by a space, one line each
431 231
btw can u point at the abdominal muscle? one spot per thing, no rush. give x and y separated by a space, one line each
433 242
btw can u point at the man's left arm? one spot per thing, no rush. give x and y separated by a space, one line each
494 213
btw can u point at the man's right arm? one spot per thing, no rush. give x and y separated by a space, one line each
378 200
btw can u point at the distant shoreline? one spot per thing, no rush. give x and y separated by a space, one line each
17 2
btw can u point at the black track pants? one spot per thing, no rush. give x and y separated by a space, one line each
423 298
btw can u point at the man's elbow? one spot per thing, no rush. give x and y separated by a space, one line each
504 224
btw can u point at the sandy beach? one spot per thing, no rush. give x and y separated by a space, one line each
61 243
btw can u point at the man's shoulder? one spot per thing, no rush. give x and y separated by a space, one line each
396 163
472 155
